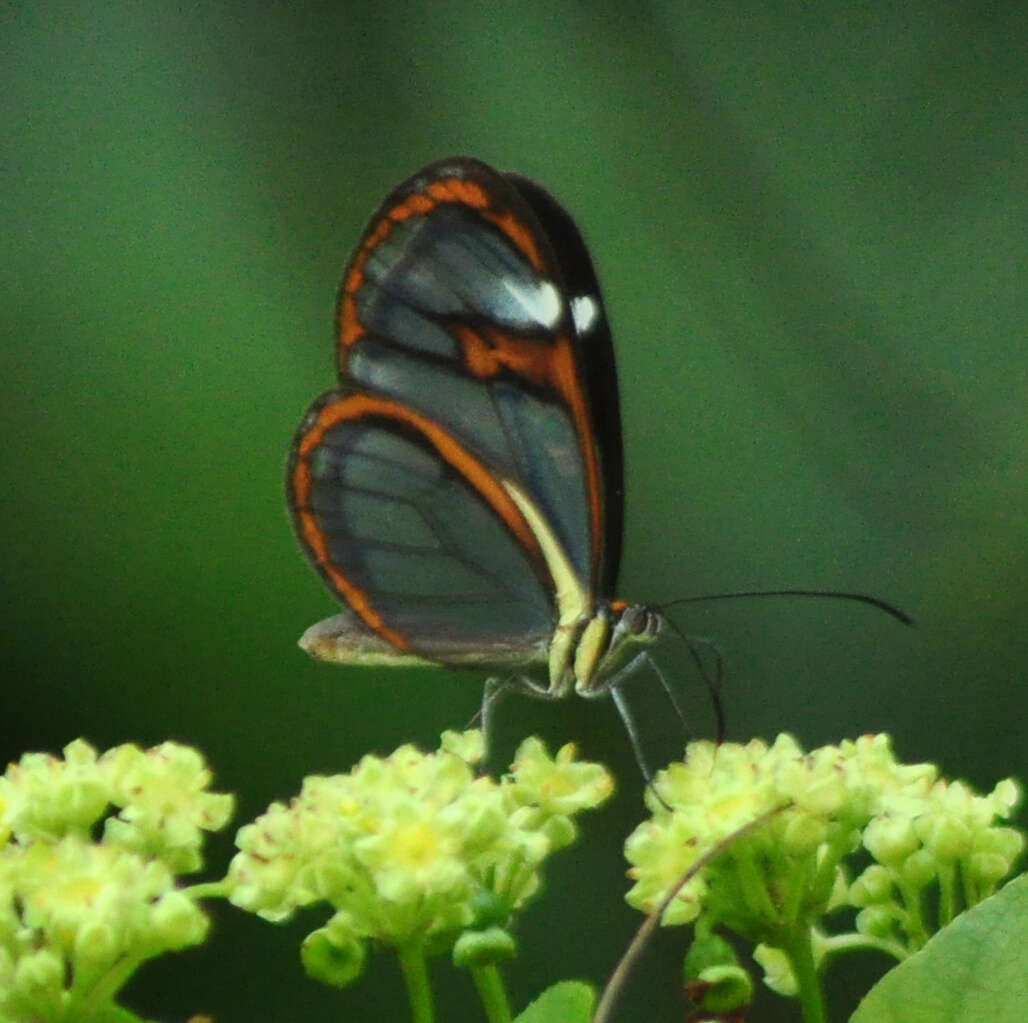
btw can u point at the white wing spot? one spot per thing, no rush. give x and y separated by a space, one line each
540 301
585 311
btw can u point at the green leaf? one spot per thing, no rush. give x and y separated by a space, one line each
115 1014
974 969
570 1001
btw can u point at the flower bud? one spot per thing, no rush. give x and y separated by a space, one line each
721 989
334 959
946 835
876 921
988 868
873 885
890 840
778 973
920 868
474 949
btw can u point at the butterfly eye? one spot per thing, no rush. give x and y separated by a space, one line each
640 621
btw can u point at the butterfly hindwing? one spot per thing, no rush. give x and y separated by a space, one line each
387 505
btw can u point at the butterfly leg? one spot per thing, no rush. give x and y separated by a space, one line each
494 691
613 686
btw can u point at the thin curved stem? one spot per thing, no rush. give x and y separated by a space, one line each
619 978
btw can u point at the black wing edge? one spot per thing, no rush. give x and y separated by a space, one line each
597 362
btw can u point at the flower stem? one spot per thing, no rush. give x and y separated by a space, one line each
415 976
758 899
947 902
207 890
797 947
832 944
97 1000
493 993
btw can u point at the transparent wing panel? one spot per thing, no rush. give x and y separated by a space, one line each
419 543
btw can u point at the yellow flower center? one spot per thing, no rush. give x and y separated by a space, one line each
416 846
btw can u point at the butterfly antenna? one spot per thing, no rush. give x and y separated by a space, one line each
861 598
693 645
670 693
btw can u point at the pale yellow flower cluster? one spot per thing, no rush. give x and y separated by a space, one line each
945 838
825 804
77 915
412 848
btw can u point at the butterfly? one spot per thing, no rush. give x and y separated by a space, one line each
461 491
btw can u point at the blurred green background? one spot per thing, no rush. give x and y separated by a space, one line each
810 225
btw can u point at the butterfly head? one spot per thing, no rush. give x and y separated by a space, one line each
608 640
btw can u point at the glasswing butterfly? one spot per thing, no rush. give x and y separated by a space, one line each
461 491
